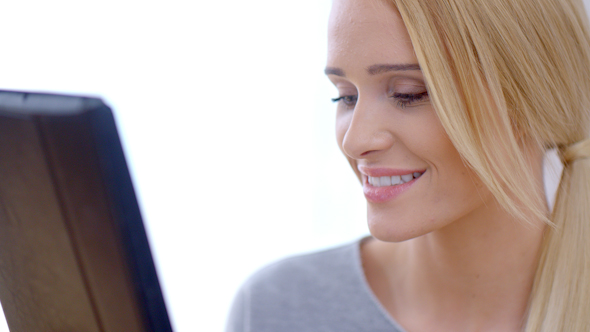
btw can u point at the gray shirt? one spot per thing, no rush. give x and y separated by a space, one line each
324 291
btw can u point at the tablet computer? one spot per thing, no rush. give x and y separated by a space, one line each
74 255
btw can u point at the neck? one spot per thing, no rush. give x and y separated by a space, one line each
475 274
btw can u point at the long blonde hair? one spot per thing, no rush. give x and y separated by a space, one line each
501 73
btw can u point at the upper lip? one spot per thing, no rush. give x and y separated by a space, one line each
384 171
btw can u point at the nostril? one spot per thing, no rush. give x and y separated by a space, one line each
366 153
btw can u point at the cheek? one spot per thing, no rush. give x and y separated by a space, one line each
458 188
454 181
432 144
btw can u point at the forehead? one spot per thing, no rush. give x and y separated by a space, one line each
367 32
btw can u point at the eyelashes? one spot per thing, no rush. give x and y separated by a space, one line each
407 99
402 100
346 100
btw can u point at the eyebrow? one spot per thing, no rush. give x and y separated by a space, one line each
383 68
376 69
334 71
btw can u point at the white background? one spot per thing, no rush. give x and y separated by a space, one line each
225 117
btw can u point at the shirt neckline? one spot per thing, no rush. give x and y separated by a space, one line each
360 273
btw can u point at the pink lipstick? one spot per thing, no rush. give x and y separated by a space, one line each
384 184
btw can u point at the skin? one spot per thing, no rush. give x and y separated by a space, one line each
444 255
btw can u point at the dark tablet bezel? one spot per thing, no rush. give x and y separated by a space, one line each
82 153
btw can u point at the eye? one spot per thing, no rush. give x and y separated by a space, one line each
409 99
349 101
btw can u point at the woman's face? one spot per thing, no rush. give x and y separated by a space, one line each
413 178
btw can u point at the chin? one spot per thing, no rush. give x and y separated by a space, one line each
390 227
393 237
392 230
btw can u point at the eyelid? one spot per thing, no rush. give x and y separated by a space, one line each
343 85
407 88
346 89
407 85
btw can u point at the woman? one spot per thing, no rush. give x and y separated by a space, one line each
445 111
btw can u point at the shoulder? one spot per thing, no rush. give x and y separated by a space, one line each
318 269
322 291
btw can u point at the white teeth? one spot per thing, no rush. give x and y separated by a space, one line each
392 180
376 182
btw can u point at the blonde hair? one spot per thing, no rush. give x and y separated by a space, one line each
505 75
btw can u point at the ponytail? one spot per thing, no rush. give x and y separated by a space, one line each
561 293
499 71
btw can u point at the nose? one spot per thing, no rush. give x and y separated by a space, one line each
365 131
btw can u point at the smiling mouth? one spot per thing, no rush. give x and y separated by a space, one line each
385 181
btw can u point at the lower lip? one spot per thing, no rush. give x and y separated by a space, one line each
387 193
